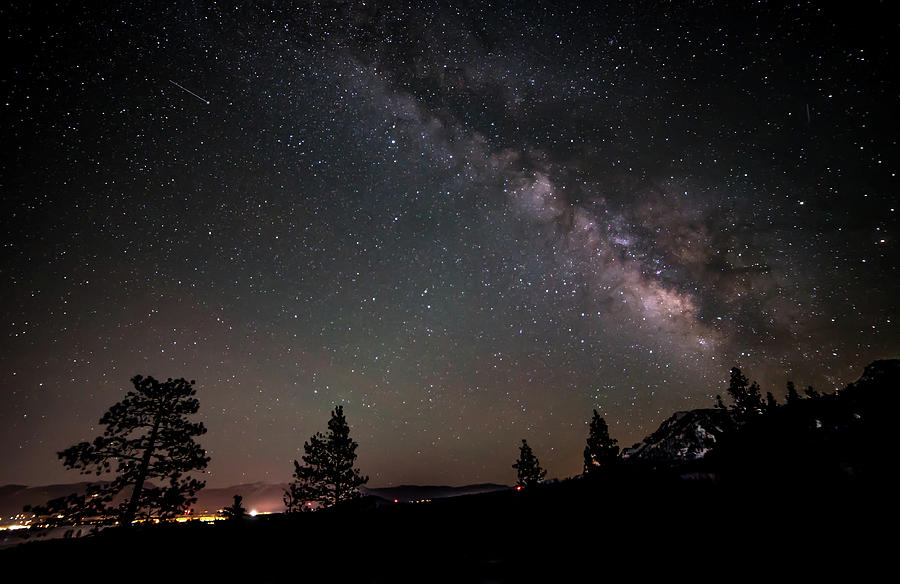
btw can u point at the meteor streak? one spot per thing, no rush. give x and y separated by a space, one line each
206 101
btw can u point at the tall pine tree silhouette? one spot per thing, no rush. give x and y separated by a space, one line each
601 450
529 471
327 476
148 436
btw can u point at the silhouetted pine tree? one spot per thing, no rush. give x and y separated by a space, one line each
327 476
746 396
792 396
148 436
771 403
812 393
529 471
601 450
235 511
719 403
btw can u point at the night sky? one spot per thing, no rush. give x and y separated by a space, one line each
468 224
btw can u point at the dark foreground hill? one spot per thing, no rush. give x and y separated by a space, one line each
642 523
850 431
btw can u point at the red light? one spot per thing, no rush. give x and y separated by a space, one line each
396 501
518 487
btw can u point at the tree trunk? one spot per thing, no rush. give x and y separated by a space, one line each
131 510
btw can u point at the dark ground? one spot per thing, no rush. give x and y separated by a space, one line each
577 530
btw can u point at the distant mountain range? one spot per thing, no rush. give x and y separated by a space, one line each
260 497
417 493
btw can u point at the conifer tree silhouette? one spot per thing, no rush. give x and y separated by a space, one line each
148 436
745 395
529 471
601 450
327 476
235 511
771 402
792 396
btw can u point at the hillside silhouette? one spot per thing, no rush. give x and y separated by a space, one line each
797 489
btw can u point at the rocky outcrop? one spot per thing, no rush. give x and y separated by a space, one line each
885 372
684 436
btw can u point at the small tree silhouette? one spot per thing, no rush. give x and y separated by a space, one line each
601 450
235 511
792 396
745 395
528 469
148 436
327 476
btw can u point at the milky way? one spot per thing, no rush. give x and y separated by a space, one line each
468 224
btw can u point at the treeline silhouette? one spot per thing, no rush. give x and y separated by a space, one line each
822 438
149 436
810 473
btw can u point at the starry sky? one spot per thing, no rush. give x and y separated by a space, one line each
468 223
